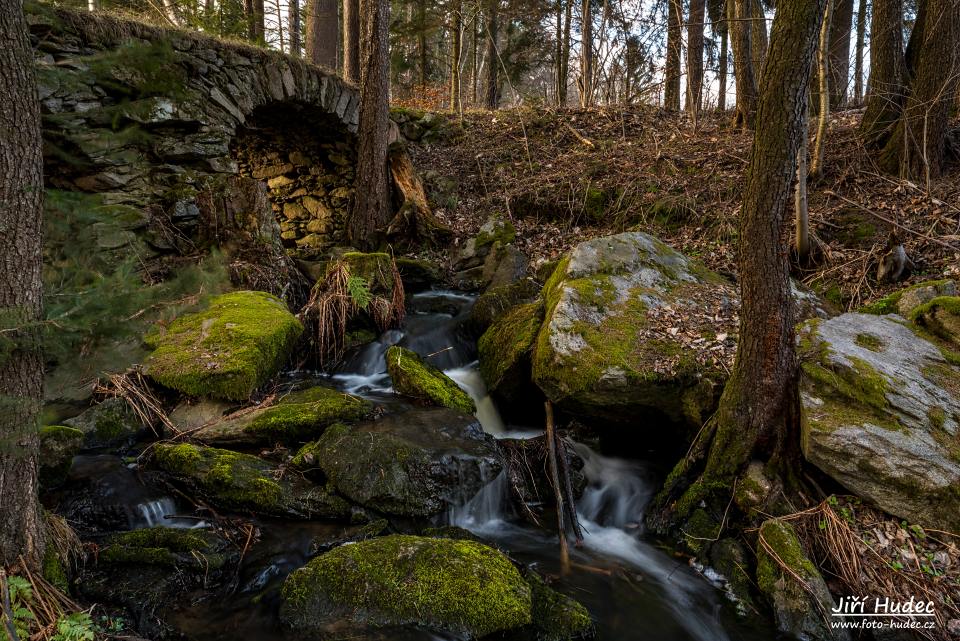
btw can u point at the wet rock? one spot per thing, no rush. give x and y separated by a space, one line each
939 316
527 464
111 423
904 301
505 351
235 481
555 616
58 445
416 463
881 407
634 327
226 351
418 274
800 609
171 547
450 586
414 377
298 416
497 301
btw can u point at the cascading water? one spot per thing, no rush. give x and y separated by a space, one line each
162 512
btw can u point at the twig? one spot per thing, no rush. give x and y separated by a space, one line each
558 493
892 222
579 136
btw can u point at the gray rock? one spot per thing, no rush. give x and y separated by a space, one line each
111 423
881 413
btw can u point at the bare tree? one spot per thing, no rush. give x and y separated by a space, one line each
823 74
323 29
456 29
586 55
695 22
493 66
858 63
739 20
21 293
293 15
671 70
351 40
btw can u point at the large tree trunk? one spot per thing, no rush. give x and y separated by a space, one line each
21 293
259 23
474 58
351 40
743 69
457 30
322 30
296 49
917 149
841 23
586 55
695 55
885 87
858 60
371 209
671 70
758 416
422 42
758 36
722 74
493 63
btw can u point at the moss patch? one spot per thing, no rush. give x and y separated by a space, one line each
226 351
557 617
304 414
871 342
58 445
415 378
506 345
450 585
164 546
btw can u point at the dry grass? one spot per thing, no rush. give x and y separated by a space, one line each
133 387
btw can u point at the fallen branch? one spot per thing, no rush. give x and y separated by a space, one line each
893 222
557 492
579 136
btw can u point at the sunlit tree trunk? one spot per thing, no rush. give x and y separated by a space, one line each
722 73
695 22
21 294
586 55
823 93
351 40
739 11
758 36
841 23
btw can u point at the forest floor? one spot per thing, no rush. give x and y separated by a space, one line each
564 176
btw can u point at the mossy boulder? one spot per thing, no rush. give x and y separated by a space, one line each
416 463
904 301
555 616
881 415
505 350
451 586
171 547
375 268
418 274
58 445
235 481
414 377
296 417
111 423
226 351
497 301
791 582
941 317
634 327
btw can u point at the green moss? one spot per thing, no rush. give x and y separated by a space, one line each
141 68
556 617
782 539
501 231
672 212
54 571
303 414
59 433
508 342
233 480
940 316
494 302
858 382
889 304
937 417
415 378
700 530
226 351
451 585
171 547
595 203
375 268
871 342
58 445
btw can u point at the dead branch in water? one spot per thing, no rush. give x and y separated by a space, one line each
557 492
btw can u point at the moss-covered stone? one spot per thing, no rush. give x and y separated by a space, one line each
111 423
58 445
226 351
414 377
296 417
236 481
497 301
940 316
796 591
53 570
557 617
495 230
457 587
418 274
505 349
904 301
375 268
163 546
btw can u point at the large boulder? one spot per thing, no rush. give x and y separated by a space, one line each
880 415
112 423
505 350
296 417
632 326
235 481
416 463
226 351
58 445
414 377
452 586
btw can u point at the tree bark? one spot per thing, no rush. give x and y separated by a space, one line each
885 86
21 293
493 66
457 29
351 40
371 209
296 48
858 60
259 24
743 69
422 42
474 58
758 417
758 36
671 70
695 55
841 23
801 204
722 74
823 93
322 30
565 53
586 55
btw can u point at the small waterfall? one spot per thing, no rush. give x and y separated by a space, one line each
485 511
366 371
470 381
160 512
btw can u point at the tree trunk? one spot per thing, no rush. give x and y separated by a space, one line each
21 293
474 58
841 24
296 48
493 67
457 29
917 149
823 93
558 56
422 41
586 56
743 69
801 204
671 70
758 36
371 208
259 24
858 63
565 53
93 5
695 55
351 40
885 87
758 417
722 74
322 31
